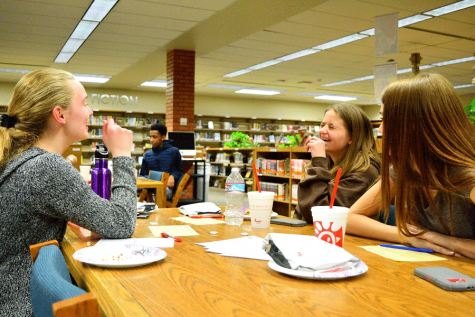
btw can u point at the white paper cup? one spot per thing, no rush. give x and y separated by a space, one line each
330 224
260 205
85 172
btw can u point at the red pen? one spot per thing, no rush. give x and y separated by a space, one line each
166 235
208 216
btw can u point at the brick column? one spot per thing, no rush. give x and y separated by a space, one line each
180 96
180 99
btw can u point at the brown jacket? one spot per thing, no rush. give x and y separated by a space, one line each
316 189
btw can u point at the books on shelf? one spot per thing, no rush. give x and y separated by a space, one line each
272 167
295 188
297 167
279 190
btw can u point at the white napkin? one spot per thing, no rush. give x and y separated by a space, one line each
307 252
199 208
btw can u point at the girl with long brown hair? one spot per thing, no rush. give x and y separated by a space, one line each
428 170
345 140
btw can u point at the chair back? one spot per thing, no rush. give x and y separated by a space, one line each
156 176
176 196
51 290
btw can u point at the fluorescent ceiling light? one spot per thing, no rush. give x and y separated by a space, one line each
225 86
84 29
63 57
296 55
369 32
455 61
237 73
155 83
14 70
413 19
92 78
337 98
72 45
265 64
363 78
341 41
403 71
451 8
94 14
99 9
257 92
464 86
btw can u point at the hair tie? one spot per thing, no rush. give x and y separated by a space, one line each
7 121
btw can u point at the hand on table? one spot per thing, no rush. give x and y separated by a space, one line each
431 240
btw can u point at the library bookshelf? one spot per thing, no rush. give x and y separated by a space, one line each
293 160
138 122
213 131
221 161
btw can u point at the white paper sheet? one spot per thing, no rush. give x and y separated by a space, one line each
199 221
245 247
176 231
150 242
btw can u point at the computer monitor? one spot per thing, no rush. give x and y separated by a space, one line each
184 141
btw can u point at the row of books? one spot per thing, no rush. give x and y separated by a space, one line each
272 167
208 136
294 167
297 167
295 189
255 126
127 121
279 190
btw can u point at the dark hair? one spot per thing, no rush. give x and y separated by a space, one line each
162 130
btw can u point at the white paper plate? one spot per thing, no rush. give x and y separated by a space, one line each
354 270
128 255
248 217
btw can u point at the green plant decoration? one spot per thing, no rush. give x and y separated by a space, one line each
470 110
239 140
294 140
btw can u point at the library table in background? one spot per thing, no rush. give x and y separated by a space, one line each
193 282
160 190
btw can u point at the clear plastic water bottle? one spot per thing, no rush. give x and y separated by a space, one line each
234 194
101 176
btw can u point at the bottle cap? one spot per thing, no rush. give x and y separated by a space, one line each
101 151
235 169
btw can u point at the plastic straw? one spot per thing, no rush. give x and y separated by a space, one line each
257 179
337 179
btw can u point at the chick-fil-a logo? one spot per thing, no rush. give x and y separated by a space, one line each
328 234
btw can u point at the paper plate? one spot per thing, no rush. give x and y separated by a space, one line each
344 272
129 255
248 217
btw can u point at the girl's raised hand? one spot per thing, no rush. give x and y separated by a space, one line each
316 147
118 140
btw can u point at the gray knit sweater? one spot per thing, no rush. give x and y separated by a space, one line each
39 193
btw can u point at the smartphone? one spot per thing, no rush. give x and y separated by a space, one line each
142 216
288 222
446 278
149 207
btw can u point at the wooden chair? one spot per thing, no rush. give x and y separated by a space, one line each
156 176
51 289
181 185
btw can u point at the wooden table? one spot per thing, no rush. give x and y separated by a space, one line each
192 282
160 190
